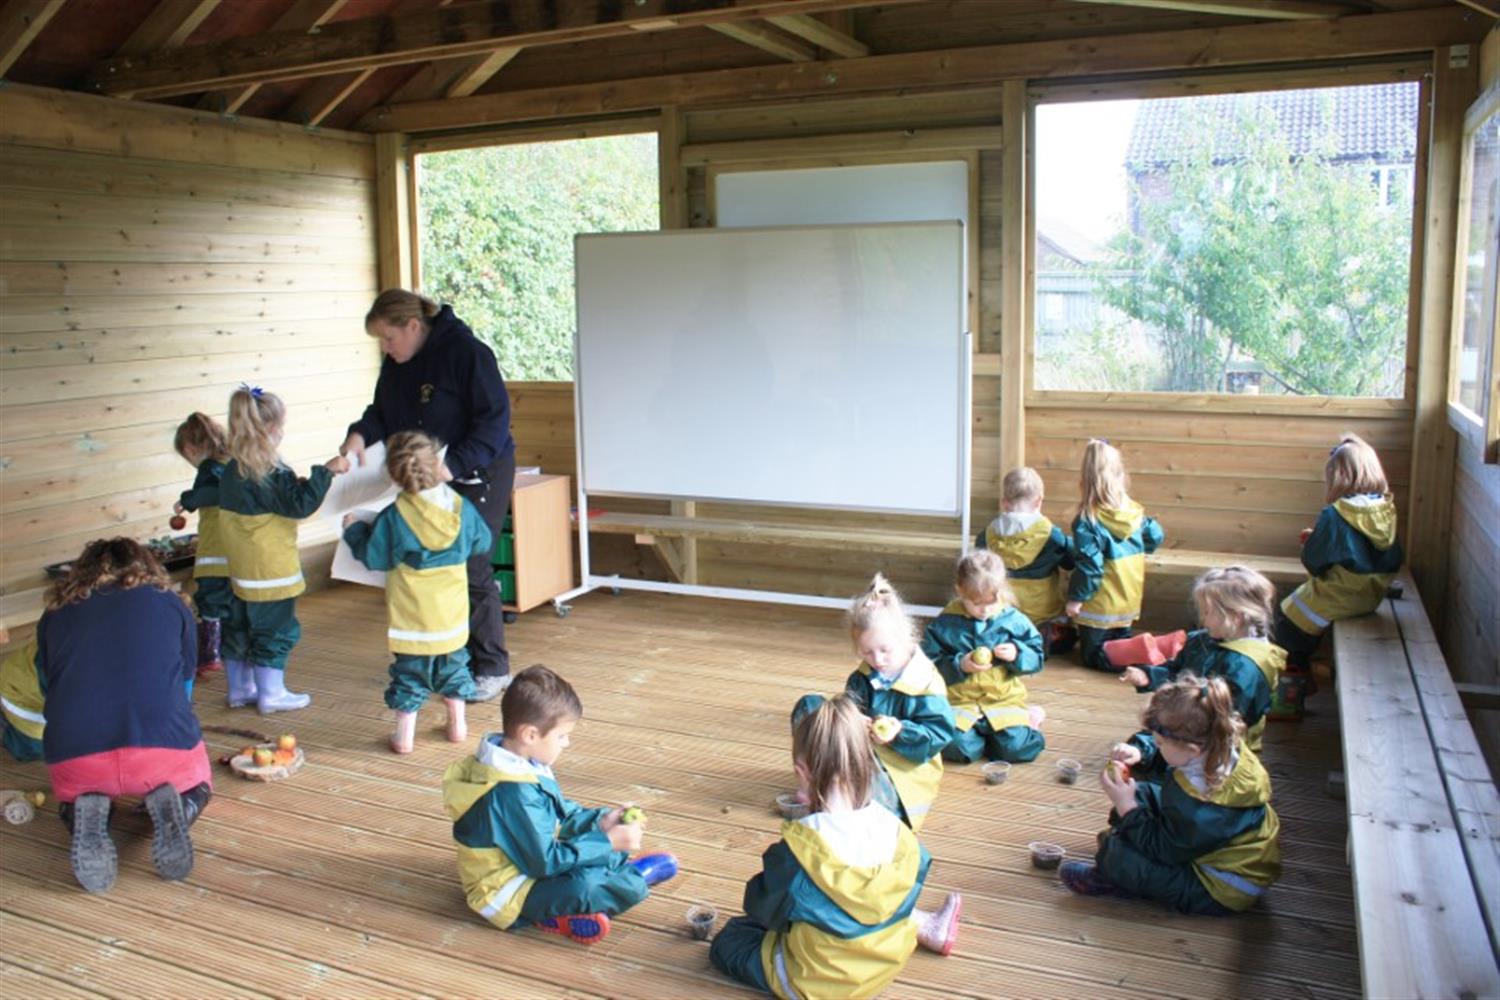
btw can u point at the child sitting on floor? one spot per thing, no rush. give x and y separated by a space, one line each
527 855
900 691
833 912
983 646
1234 607
116 651
1036 557
205 446
423 542
1111 537
1205 840
22 718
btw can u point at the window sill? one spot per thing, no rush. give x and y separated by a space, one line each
1205 402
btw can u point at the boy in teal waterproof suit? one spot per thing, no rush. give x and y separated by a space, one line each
989 707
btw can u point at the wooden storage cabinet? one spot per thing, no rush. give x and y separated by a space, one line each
541 540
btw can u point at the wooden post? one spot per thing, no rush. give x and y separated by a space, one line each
1013 255
1455 72
681 554
392 215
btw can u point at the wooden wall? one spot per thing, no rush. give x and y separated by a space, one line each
151 259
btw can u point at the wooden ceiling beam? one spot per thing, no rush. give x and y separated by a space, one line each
821 35
763 38
1196 48
1490 7
476 72
1282 10
466 30
20 22
167 26
303 17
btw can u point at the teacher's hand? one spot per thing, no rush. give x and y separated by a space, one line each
354 447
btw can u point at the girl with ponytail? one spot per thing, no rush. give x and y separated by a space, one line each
833 912
1205 840
204 445
260 502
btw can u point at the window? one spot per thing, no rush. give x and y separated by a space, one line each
1477 301
1232 243
497 227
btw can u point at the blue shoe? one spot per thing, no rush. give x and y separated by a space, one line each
1083 878
585 928
655 868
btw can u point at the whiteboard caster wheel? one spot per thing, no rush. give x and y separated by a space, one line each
562 609
615 591
510 617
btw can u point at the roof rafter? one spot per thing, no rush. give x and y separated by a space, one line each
1281 10
466 30
303 17
763 38
20 22
820 34
167 26
1490 7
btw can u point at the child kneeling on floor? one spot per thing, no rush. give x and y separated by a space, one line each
116 653
1205 840
526 854
423 542
834 913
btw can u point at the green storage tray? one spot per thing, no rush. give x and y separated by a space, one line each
506 578
505 550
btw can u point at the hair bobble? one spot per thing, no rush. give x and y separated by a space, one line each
254 390
1203 690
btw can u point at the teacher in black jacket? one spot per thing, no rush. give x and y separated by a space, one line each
438 378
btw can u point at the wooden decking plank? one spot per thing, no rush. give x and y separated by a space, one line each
23 982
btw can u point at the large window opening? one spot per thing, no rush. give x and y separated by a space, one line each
1233 243
497 227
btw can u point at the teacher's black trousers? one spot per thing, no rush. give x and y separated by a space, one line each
488 656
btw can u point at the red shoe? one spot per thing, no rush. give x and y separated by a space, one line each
1138 650
585 928
1171 644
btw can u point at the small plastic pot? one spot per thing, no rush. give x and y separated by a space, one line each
1068 771
790 806
701 919
1046 856
995 772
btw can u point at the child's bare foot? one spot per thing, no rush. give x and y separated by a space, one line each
404 739
1035 716
458 727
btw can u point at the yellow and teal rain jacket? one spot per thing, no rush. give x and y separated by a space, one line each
1251 668
998 694
1351 556
1036 557
22 702
1228 834
913 760
423 543
203 497
259 525
1109 564
513 827
836 894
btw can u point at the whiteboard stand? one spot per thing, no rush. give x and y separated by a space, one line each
617 583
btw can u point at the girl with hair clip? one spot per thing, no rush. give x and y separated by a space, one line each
1111 538
983 645
260 502
115 661
900 691
1234 607
205 446
1351 555
1205 840
833 911
423 542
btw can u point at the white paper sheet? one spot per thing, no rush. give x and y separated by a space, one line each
364 491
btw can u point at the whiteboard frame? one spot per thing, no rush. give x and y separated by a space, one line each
590 581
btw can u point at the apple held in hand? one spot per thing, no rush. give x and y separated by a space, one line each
1120 770
983 656
178 522
633 814
886 728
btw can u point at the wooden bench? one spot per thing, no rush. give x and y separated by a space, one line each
1282 570
1424 813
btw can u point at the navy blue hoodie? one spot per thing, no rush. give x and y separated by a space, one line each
113 669
452 389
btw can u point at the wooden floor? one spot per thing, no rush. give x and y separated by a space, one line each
341 881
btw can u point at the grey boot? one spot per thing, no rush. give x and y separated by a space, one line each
95 863
242 690
171 848
273 695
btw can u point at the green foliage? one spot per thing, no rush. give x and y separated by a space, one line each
1086 360
1291 261
497 236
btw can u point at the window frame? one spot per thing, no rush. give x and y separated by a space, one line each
1208 82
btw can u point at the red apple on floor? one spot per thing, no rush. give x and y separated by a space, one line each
178 522
263 757
286 741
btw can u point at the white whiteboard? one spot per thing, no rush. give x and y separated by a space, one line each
819 366
886 192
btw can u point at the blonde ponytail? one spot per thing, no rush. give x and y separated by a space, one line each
832 742
879 603
255 420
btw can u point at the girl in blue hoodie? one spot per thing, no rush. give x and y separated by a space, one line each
423 542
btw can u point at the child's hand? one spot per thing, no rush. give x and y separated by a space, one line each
1304 535
445 474
178 508
1121 794
1134 676
338 465
611 819
1125 754
1072 608
354 445
884 728
624 836
348 520
1006 652
969 665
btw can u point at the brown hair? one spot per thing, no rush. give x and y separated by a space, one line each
254 417
538 697
411 458
1021 485
1237 592
1201 712
878 603
202 433
832 742
979 572
398 307
1102 481
1353 467
122 563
